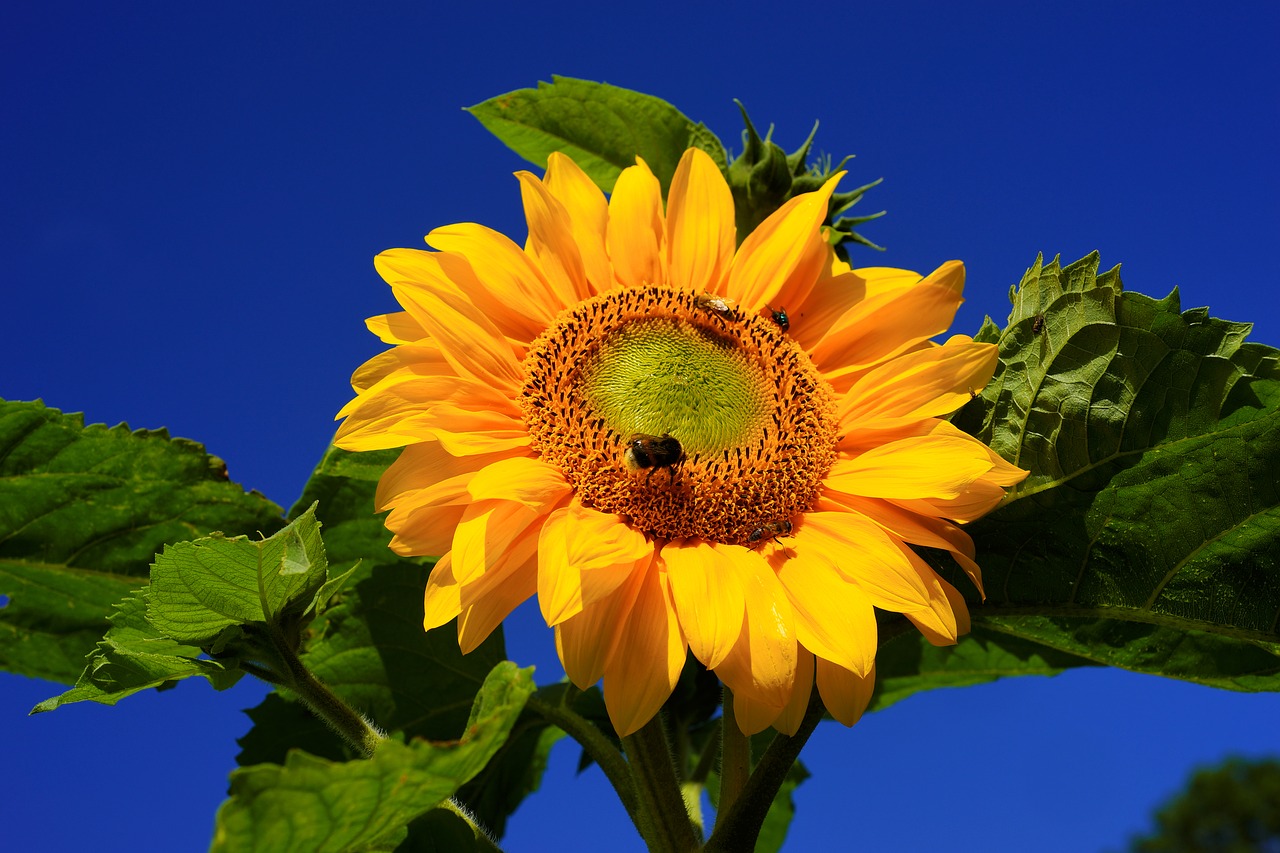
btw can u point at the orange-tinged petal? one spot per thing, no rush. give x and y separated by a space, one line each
921 384
468 433
467 338
551 241
927 467
832 296
762 664
585 641
833 617
588 213
879 329
585 556
882 280
645 664
398 409
784 255
524 479
505 271
477 622
709 598
423 468
486 530
861 552
635 233
846 694
700 224
424 529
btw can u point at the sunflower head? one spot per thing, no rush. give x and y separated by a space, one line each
677 442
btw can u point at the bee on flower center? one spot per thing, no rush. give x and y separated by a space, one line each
721 306
772 529
780 317
654 452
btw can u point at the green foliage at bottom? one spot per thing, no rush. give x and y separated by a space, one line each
1232 808
314 804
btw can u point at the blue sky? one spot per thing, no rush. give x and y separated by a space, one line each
193 194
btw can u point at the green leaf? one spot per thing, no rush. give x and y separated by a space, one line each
1148 533
200 588
133 656
310 803
83 511
602 127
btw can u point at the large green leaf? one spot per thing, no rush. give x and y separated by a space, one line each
134 656
83 511
602 127
202 587
310 803
1147 535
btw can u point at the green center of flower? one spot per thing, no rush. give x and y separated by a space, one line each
670 377
688 419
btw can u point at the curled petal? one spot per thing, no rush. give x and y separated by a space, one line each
762 664
588 213
551 241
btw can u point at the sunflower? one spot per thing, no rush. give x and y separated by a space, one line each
675 445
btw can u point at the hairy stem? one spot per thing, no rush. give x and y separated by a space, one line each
664 821
595 744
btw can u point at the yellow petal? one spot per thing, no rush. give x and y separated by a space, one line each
400 409
397 328
882 328
645 664
921 384
709 598
833 617
788 722
762 663
832 296
441 602
463 432
586 641
846 694
785 248
504 271
477 622
551 241
467 338
635 233
404 360
700 224
861 552
486 530
945 623
588 213
524 479
927 467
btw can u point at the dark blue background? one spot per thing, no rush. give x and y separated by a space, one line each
193 193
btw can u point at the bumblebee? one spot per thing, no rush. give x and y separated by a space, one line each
772 529
720 305
780 317
654 452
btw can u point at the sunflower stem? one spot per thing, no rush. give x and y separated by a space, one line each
735 759
664 821
594 744
738 826
323 702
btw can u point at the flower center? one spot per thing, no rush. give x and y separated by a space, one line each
692 421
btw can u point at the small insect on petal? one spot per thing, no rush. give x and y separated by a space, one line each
772 529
